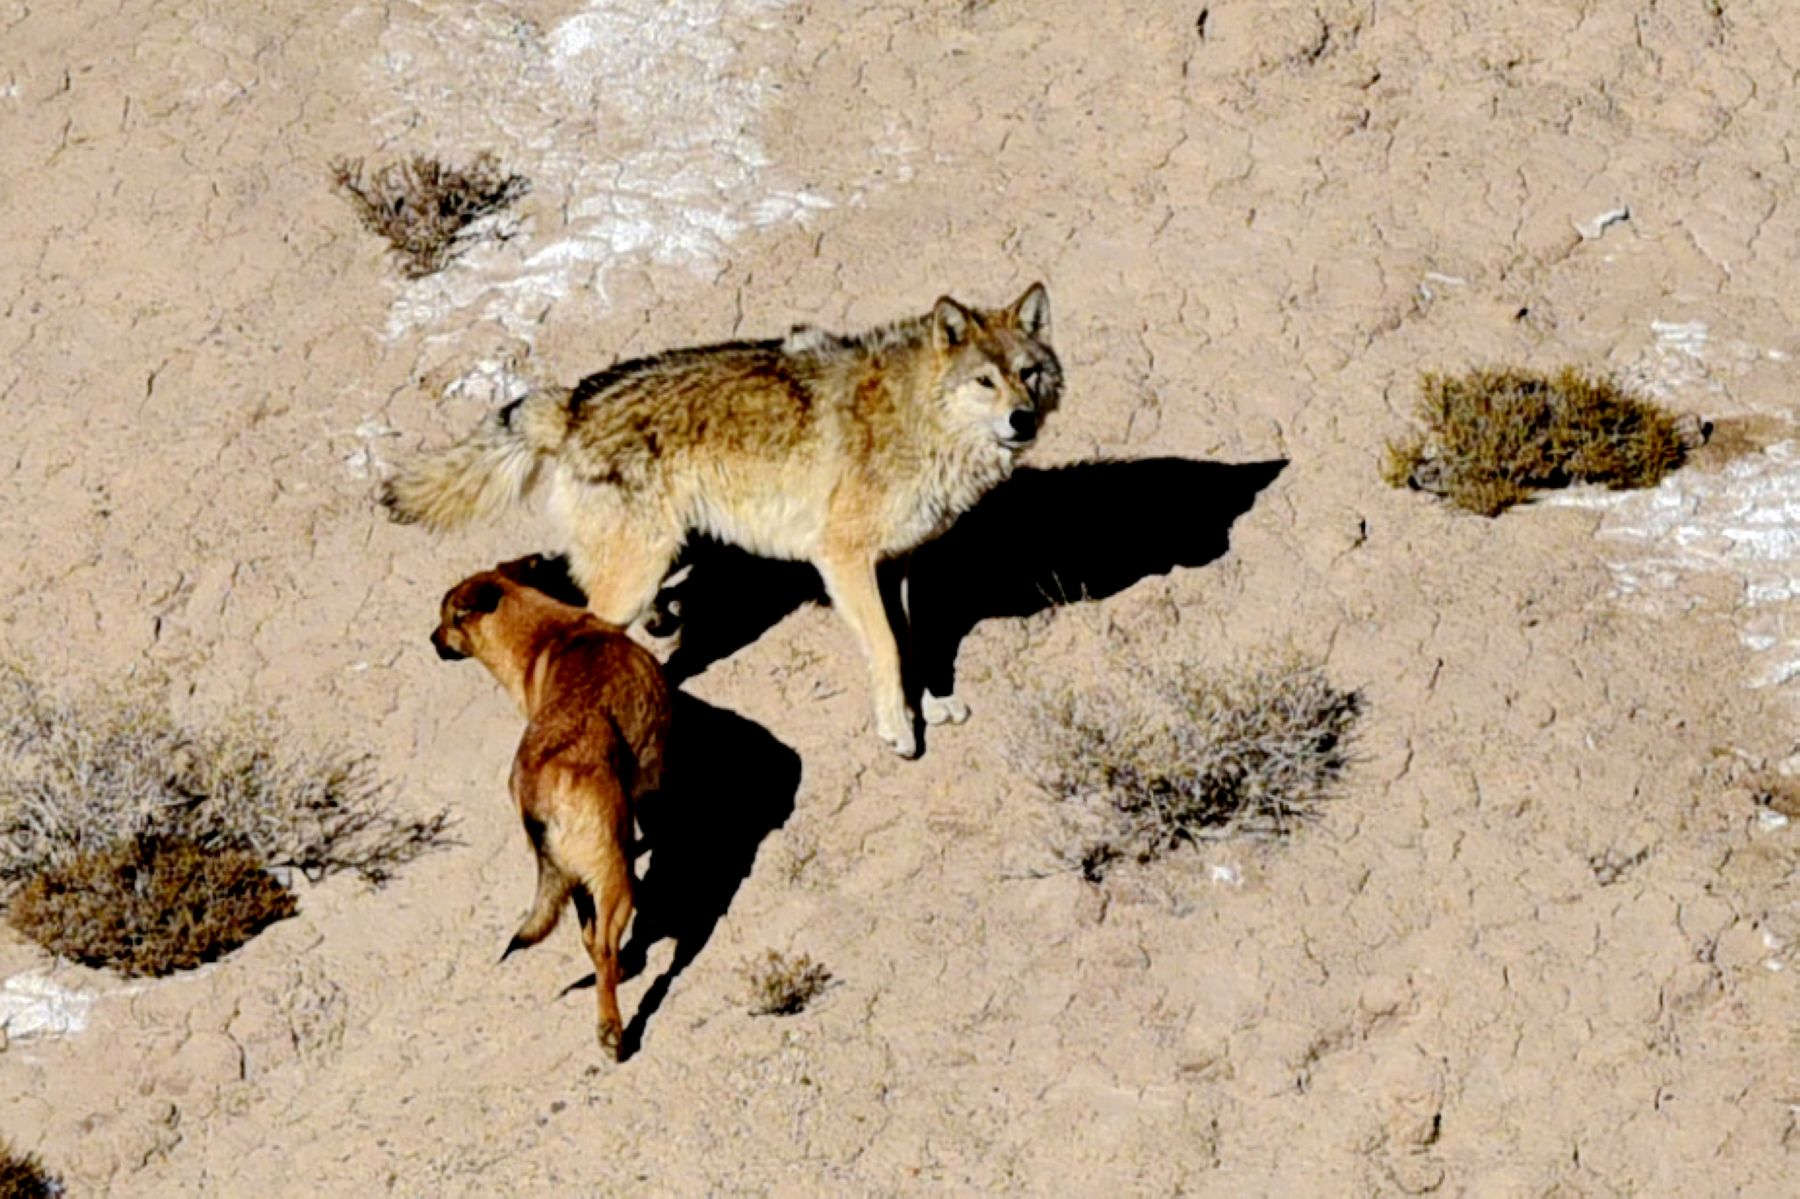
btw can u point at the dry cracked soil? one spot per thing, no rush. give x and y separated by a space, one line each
1540 943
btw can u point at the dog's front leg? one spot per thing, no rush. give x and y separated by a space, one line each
855 592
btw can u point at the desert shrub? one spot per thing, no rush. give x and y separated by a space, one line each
22 1176
1492 437
1166 756
108 804
780 985
150 905
425 209
80 774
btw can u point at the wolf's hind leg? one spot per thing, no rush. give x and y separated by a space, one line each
620 557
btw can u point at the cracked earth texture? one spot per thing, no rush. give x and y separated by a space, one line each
1542 943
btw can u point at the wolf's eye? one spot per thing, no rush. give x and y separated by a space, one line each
986 381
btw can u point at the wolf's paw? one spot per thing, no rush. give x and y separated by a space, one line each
943 709
661 639
899 734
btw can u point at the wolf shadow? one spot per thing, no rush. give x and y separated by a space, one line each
1066 534
1045 537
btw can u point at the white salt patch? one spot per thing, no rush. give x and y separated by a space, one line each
364 461
1226 874
1676 363
489 382
1597 224
36 1005
1742 522
634 120
1686 337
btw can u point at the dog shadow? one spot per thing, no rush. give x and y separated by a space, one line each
727 784
1044 538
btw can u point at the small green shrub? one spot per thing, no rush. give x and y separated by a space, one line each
1492 437
425 209
782 986
1169 755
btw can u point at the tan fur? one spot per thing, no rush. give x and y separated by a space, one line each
597 716
837 450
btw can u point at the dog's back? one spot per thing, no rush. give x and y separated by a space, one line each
602 705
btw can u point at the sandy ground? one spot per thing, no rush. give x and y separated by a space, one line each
1543 943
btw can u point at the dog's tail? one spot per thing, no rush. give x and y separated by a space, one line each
553 890
488 471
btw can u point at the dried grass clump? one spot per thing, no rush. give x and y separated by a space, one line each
22 1176
1492 437
150 905
425 209
78 775
783 986
1174 756
108 804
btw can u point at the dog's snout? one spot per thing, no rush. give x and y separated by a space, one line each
442 646
1024 423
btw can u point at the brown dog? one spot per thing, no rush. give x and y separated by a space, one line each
597 709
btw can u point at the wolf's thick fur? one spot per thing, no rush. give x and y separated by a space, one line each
597 717
838 450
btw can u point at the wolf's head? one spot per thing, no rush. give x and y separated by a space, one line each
996 370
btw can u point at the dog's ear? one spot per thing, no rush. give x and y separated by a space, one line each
483 597
950 323
1031 313
522 570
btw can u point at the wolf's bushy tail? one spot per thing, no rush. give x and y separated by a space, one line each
485 473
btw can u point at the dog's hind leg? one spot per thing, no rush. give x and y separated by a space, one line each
597 856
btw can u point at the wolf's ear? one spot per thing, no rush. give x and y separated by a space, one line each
1031 313
949 324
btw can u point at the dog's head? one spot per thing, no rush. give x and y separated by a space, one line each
468 606
996 370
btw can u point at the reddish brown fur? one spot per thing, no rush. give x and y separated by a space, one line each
597 711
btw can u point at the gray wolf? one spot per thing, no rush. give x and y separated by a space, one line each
840 450
597 716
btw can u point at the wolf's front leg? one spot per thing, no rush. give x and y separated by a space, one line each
943 709
850 582
936 709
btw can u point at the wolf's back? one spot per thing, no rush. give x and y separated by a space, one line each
485 473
